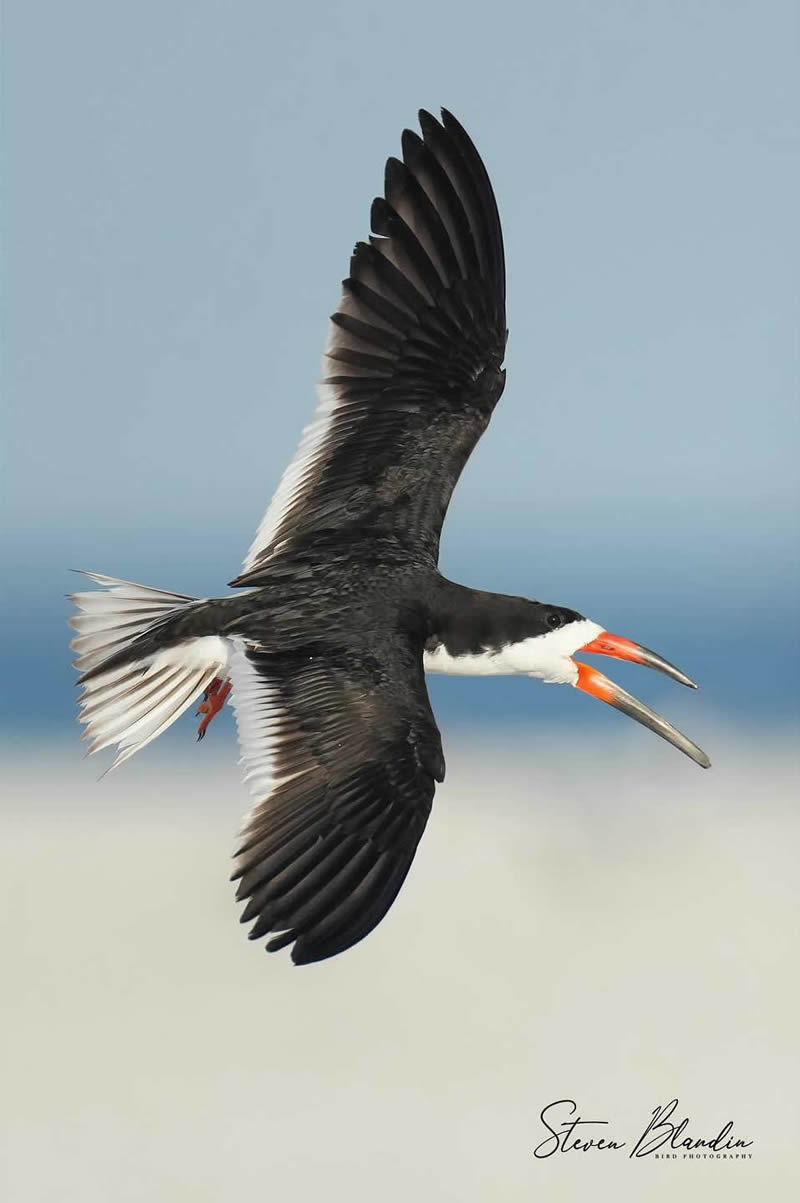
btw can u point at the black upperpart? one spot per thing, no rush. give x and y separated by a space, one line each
414 361
470 621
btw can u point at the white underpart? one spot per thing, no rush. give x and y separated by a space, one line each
110 617
311 450
547 657
263 723
131 705
199 653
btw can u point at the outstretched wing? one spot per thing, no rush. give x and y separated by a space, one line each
413 364
340 752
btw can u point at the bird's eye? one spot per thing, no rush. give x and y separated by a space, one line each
554 620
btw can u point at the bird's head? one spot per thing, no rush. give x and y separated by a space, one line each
549 656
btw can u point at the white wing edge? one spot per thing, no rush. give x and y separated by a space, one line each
306 458
263 725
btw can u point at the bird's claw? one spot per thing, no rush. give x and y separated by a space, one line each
214 698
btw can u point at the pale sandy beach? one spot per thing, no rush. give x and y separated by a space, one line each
565 937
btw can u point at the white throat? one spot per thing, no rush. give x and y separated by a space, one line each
547 657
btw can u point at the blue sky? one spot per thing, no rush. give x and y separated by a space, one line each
184 185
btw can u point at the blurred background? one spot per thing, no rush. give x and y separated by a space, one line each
589 914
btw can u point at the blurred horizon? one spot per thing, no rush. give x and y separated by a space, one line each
589 913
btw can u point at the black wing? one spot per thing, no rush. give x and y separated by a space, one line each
413 365
341 752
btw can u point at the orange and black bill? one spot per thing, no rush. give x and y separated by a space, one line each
593 682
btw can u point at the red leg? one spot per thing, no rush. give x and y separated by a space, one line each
214 699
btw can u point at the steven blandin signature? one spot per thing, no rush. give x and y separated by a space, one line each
663 1136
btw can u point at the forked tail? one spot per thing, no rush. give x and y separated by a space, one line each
143 660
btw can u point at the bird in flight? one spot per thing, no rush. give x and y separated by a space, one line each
340 609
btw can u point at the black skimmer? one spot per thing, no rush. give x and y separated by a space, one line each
341 608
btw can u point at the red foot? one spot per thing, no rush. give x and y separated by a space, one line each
213 701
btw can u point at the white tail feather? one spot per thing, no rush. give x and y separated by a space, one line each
132 704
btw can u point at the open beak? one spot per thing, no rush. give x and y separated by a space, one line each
593 682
